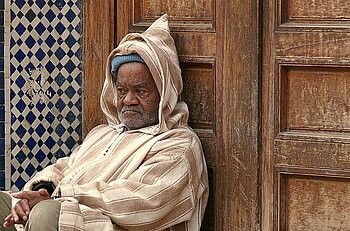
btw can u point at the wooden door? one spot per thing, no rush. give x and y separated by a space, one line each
305 115
217 43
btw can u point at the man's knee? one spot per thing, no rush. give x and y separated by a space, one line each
5 209
44 216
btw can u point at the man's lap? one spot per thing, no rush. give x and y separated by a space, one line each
48 211
5 209
44 215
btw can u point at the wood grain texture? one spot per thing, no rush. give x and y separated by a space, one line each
315 203
323 45
316 98
268 115
98 36
199 82
123 18
192 44
239 162
189 15
194 10
316 10
312 154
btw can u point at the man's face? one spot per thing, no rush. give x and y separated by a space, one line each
138 97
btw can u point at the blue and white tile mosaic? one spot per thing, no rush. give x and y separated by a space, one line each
45 84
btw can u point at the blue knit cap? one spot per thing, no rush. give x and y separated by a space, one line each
119 60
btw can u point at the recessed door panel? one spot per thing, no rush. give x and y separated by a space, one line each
305 115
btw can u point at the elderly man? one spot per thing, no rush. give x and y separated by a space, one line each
145 170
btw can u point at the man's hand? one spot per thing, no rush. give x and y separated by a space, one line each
20 211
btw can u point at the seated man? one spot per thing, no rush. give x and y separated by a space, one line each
145 170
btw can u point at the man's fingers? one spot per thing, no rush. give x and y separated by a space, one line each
8 218
8 223
43 192
25 195
31 195
18 213
11 222
30 198
14 214
25 206
17 194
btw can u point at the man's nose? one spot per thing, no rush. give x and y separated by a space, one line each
130 99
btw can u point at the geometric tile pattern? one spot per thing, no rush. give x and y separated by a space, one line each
2 98
45 84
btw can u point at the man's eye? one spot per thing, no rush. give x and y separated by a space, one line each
141 93
121 91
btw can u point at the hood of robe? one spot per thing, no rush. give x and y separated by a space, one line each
157 48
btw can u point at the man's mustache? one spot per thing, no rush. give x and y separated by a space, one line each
132 108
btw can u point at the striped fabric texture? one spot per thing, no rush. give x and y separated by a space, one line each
152 178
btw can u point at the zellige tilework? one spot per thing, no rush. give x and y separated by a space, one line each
45 84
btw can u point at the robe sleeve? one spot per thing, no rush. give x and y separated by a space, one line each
52 174
162 192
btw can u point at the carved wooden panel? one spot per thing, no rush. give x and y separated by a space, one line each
312 154
305 115
196 45
187 15
320 11
199 94
316 98
315 203
193 10
329 47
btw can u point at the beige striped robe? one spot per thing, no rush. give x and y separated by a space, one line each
153 178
